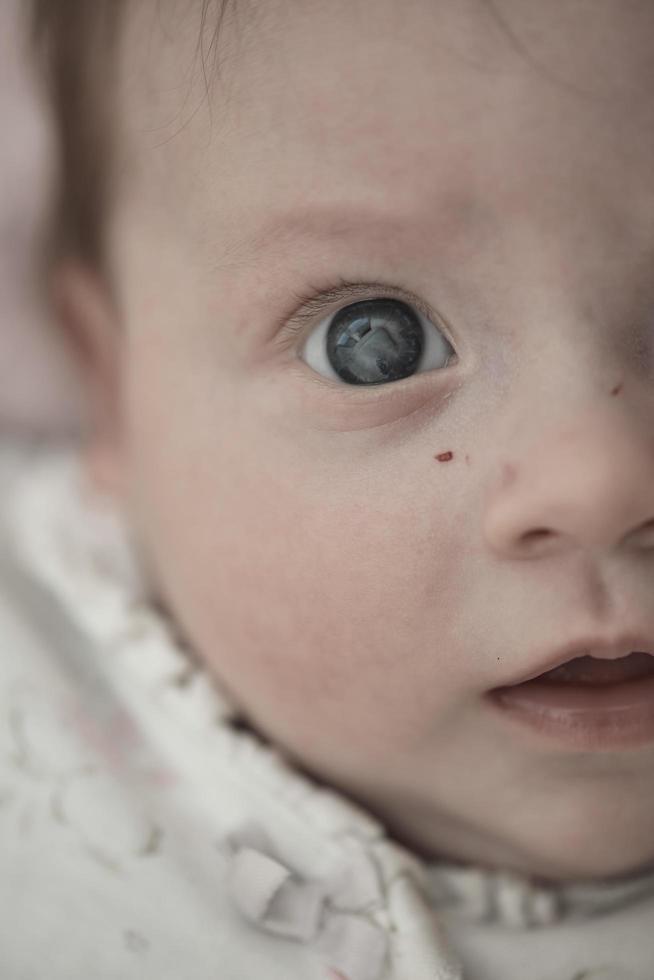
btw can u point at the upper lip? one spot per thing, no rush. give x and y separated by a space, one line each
602 648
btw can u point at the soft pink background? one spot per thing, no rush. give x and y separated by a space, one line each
39 391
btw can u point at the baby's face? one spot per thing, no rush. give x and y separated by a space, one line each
361 563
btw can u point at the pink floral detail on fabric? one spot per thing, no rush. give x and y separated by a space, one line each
117 740
334 975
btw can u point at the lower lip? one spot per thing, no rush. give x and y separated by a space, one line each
582 717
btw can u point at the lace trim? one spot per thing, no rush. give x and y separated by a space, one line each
515 901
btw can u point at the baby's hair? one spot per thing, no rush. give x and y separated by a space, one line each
76 43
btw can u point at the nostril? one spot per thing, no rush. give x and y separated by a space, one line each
539 534
645 532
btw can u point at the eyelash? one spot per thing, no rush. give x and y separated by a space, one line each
316 303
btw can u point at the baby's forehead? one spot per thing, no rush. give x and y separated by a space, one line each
222 59
566 39
391 104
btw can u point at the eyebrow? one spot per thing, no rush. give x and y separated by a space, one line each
321 221
459 214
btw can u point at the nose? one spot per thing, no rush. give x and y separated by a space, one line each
586 483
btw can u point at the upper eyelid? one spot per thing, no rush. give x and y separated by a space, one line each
321 302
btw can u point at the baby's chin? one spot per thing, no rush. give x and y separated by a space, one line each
589 868
601 860
609 837
597 836
600 857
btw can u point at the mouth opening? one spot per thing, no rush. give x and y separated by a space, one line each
592 671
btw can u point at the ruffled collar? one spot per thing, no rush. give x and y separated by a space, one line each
74 540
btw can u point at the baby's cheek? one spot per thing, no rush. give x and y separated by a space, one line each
301 577
340 643
300 636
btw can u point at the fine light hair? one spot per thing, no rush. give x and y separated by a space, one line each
76 43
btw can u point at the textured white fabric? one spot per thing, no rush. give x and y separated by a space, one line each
331 913
143 835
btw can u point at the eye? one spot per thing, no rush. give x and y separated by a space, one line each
375 341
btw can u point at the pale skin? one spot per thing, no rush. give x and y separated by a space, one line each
356 595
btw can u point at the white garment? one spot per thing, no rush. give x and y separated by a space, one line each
145 836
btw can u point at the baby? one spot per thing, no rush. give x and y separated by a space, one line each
329 654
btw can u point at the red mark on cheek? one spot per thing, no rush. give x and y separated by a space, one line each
618 388
444 457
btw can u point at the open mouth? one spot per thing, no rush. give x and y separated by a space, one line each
595 672
588 703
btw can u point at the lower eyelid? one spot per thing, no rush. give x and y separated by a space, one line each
343 408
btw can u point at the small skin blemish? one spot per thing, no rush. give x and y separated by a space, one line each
444 457
618 388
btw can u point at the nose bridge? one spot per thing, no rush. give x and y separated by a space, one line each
579 474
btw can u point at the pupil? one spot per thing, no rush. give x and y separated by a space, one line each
375 341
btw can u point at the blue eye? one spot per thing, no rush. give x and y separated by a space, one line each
376 341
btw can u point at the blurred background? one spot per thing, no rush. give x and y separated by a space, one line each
39 390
